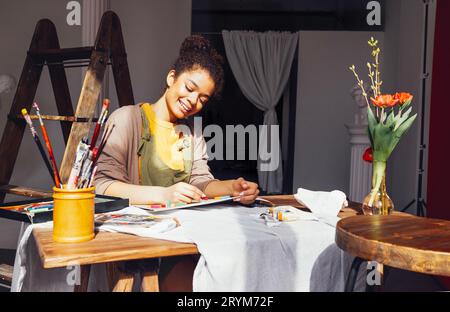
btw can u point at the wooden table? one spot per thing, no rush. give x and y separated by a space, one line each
114 248
401 241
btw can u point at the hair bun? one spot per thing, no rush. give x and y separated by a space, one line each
195 43
197 52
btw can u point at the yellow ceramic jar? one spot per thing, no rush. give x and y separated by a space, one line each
73 215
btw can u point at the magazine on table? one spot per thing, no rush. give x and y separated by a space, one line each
120 221
129 219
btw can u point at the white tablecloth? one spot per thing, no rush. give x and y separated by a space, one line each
239 252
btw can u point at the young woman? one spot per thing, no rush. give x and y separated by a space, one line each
147 159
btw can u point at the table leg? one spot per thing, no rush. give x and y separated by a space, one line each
353 274
111 274
124 283
85 271
150 281
122 275
149 270
387 270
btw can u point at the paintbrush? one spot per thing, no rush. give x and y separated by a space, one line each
99 123
102 145
49 147
38 143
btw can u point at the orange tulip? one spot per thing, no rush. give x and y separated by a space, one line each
384 100
403 97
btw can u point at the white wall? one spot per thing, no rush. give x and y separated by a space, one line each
153 31
324 106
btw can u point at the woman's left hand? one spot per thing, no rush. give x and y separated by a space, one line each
246 190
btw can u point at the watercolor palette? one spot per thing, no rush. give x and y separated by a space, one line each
171 206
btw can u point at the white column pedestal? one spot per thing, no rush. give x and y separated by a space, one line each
360 170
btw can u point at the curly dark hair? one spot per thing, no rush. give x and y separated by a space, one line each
197 52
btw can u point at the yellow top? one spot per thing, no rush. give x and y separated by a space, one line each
167 139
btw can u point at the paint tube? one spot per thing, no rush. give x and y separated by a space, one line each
85 170
82 152
283 213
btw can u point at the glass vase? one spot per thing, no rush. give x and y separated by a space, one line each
378 202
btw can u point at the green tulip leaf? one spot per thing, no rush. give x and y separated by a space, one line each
382 142
391 119
371 117
372 123
402 118
406 104
397 134
404 126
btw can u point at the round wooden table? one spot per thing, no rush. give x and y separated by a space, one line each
400 240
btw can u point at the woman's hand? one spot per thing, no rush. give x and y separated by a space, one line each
248 191
182 192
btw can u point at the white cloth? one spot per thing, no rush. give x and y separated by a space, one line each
332 264
261 64
238 253
324 205
29 275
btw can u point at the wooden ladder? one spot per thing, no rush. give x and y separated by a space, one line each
109 49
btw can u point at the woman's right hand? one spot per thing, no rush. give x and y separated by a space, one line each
182 192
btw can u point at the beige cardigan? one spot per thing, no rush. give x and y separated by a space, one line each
119 159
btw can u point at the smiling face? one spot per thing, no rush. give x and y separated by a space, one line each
188 92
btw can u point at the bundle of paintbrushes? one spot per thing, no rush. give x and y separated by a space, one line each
84 166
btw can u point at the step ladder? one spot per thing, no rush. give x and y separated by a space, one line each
109 49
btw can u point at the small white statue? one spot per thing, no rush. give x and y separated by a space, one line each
356 92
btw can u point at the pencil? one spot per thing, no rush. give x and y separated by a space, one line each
49 146
99 123
38 143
